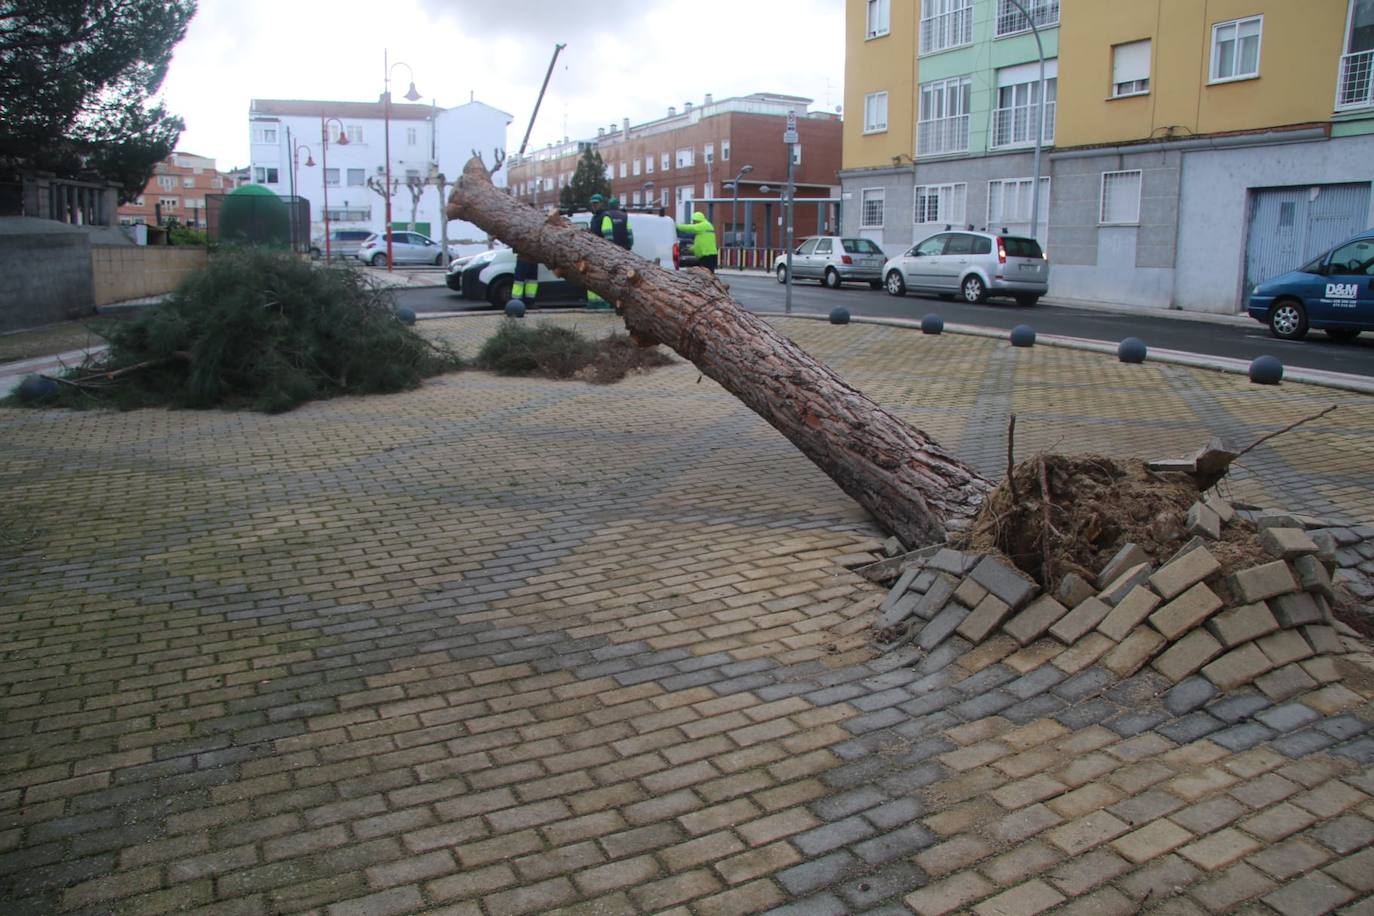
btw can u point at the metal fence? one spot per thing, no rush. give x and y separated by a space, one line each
278 221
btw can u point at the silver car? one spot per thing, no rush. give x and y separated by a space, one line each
343 243
406 248
973 266
834 260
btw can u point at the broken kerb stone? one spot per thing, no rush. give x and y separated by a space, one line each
1176 577
1297 609
1129 555
901 609
1172 465
898 590
984 619
934 599
1212 461
1313 577
1074 590
1009 584
1265 581
1029 625
942 625
954 562
1286 543
1202 521
1122 585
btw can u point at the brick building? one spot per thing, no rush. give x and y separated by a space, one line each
177 191
688 159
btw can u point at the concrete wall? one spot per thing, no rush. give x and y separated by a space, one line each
45 273
124 272
1215 194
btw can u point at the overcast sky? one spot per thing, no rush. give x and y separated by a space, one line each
624 58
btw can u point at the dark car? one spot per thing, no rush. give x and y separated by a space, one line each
1333 293
686 257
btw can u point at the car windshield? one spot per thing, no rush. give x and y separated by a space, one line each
860 246
1020 248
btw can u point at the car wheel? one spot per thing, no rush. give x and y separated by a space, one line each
1288 320
379 260
973 289
875 284
831 278
438 260
1027 301
896 286
499 291
782 273
1342 335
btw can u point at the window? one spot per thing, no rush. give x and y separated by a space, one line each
622 168
808 246
265 135
946 24
663 201
940 203
878 18
725 151
353 215
636 165
140 202
875 112
410 136
931 246
216 183
1357 258
331 178
871 213
1018 104
943 124
708 152
1009 201
356 178
166 182
188 182
1355 85
1121 198
167 203
264 175
1131 69
648 165
637 198
1236 49
355 133
610 170
1011 20
822 247
666 166
684 158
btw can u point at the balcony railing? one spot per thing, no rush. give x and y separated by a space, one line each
947 30
1355 87
945 135
1015 126
1011 21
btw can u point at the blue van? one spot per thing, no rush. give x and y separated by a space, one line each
1334 292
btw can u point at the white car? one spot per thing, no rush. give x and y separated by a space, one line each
973 266
406 248
489 275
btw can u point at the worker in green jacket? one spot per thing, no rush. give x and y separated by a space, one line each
704 245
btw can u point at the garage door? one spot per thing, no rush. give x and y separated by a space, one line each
1290 226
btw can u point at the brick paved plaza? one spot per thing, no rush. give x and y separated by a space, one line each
504 646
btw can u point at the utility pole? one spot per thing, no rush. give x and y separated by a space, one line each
789 138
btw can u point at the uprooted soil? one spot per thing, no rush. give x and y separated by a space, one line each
1097 505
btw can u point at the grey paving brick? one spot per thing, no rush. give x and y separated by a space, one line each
1287 717
990 677
905 782
896 813
1343 726
1043 706
842 805
983 705
1035 683
1237 705
1134 722
1189 694
1241 737
905 841
941 626
817 905
891 880
1084 683
817 873
1360 750
1302 743
883 718
831 836
933 702
1087 712
1191 727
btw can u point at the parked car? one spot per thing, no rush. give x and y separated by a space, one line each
972 265
406 248
343 243
834 260
1333 292
686 255
490 274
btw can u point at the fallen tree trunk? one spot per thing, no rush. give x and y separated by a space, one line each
913 487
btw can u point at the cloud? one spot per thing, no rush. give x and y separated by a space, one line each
539 21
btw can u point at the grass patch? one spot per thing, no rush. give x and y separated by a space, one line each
562 353
260 330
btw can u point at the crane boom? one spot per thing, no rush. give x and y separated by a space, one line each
537 102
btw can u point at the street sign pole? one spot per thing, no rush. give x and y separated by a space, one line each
789 138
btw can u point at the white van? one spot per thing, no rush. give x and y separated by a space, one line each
490 274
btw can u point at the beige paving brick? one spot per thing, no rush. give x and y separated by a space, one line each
1176 577
1219 850
1284 647
1033 622
949 894
1134 652
1080 874
1154 839
1080 835
1023 900
757 862
1237 625
1091 797
1187 655
1129 613
988 616
1236 884
1239 666
1082 653
1023 862
1028 791
1267 580
1081 620
1186 611
952 855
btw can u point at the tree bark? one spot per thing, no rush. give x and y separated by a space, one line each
913 487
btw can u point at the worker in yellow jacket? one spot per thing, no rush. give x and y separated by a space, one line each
704 243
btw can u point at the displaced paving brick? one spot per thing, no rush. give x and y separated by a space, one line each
1239 666
1267 580
1186 611
1187 655
1203 521
1285 682
1286 543
1298 609
1177 576
1009 584
1323 639
1134 651
1081 620
1284 647
1313 576
1029 625
1188 695
1242 624
969 593
984 619
935 598
1121 586
1128 556
942 626
1129 612
899 610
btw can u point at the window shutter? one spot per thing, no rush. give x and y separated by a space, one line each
1131 62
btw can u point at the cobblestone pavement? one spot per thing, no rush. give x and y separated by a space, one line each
506 646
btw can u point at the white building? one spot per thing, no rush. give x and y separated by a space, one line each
285 134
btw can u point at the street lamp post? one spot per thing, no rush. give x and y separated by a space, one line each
296 167
324 168
1039 122
734 207
411 95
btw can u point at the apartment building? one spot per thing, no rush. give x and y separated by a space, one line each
1190 148
688 156
287 156
176 191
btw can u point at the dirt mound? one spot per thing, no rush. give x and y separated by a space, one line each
1096 506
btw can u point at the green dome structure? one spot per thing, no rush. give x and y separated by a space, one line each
253 215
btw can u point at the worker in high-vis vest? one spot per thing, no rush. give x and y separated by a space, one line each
613 224
704 240
526 284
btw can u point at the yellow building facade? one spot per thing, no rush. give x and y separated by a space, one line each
880 57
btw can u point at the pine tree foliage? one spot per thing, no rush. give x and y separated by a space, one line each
77 86
261 330
588 178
